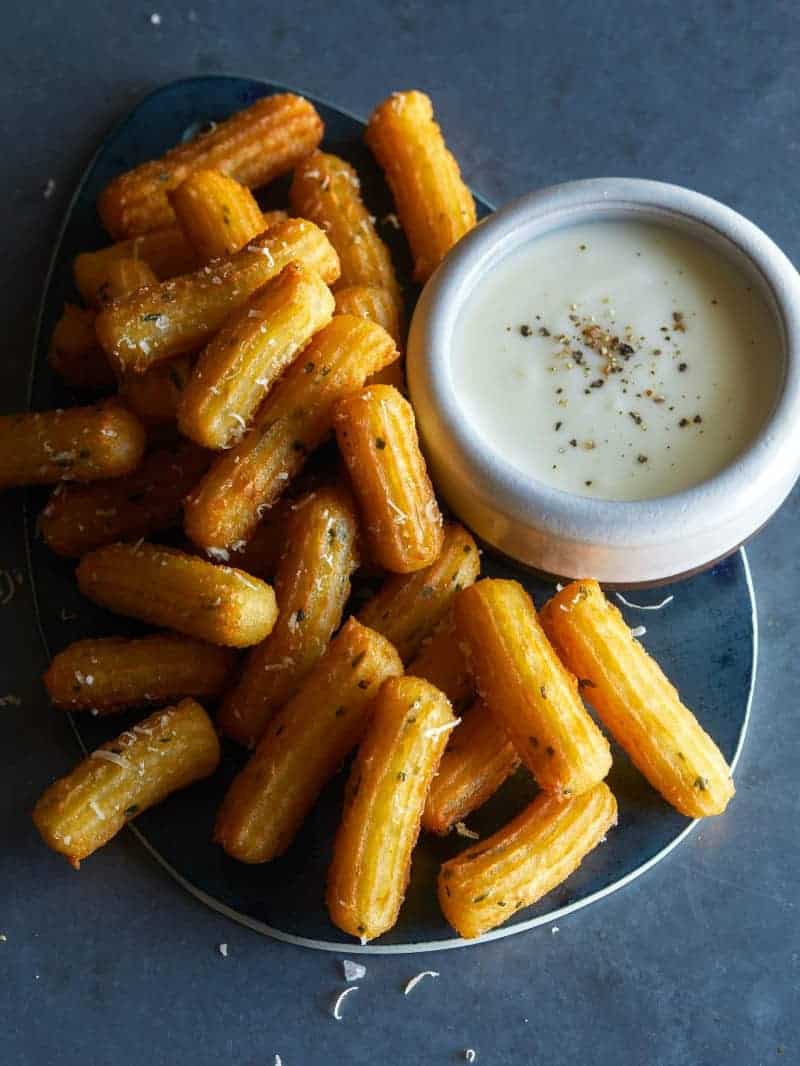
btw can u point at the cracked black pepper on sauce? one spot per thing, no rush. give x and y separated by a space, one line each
617 359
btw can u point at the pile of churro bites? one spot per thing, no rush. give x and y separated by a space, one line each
230 345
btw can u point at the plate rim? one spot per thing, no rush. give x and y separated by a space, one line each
198 893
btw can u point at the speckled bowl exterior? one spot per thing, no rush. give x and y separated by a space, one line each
620 542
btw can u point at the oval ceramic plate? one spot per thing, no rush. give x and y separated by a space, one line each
704 637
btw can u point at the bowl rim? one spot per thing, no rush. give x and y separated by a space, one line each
518 497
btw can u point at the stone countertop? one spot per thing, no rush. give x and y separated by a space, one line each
696 963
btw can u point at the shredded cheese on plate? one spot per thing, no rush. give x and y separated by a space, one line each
434 731
644 606
464 831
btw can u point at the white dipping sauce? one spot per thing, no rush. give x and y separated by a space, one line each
619 359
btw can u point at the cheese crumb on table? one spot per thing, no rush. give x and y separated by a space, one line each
336 1010
412 984
353 971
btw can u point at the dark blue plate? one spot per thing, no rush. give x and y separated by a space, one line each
705 636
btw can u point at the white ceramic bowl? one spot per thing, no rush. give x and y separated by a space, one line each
619 542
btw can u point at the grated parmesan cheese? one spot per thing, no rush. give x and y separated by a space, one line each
436 731
412 984
223 950
470 1055
464 831
432 511
93 804
353 971
644 606
402 516
282 665
111 756
219 555
336 1010
639 631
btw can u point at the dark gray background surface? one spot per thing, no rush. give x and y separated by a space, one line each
697 962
